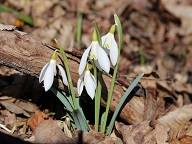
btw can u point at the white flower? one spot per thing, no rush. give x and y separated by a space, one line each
110 45
94 51
49 71
88 80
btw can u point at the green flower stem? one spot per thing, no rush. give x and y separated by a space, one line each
97 101
119 27
65 61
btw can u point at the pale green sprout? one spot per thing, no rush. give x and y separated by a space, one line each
49 71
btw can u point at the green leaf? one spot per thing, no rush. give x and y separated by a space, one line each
98 33
102 120
79 120
126 94
63 98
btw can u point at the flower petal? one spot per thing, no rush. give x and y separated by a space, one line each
103 38
84 60
103 42
49 77
94 80
113 52
42 74
98 65
80 84
103 59
90 86
63 74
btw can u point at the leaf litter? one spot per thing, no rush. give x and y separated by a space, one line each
158 30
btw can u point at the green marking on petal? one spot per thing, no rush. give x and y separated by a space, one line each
107 46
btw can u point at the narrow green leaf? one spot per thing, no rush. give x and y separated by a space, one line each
79 120
98 33
84 121
65 61
63 99
102 120
126 94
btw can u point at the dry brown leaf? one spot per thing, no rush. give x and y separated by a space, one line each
48 131
182 10
9 118
36 119
14 108
134 134
176 120
186 140
28 106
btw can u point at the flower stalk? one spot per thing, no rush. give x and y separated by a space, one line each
65 61
119 28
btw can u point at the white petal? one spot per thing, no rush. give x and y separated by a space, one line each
98 65
93 53
84 60
103 59
103 38
49 77
113 52
53 62
41 76
94 80
90 86
63 74
80 84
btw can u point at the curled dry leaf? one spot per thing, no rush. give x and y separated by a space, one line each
28 106
134 134
36 119
12 107
8 118
49 132
181 10
176 120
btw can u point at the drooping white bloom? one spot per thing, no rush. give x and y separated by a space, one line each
88 80
49 71
110 45
95 52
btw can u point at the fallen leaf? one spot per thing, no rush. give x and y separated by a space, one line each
133 134
34 121
14 108
48 131
28 106
176 120
9 118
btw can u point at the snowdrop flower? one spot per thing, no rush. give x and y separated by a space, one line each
95 52
110 45
88 80
49 71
